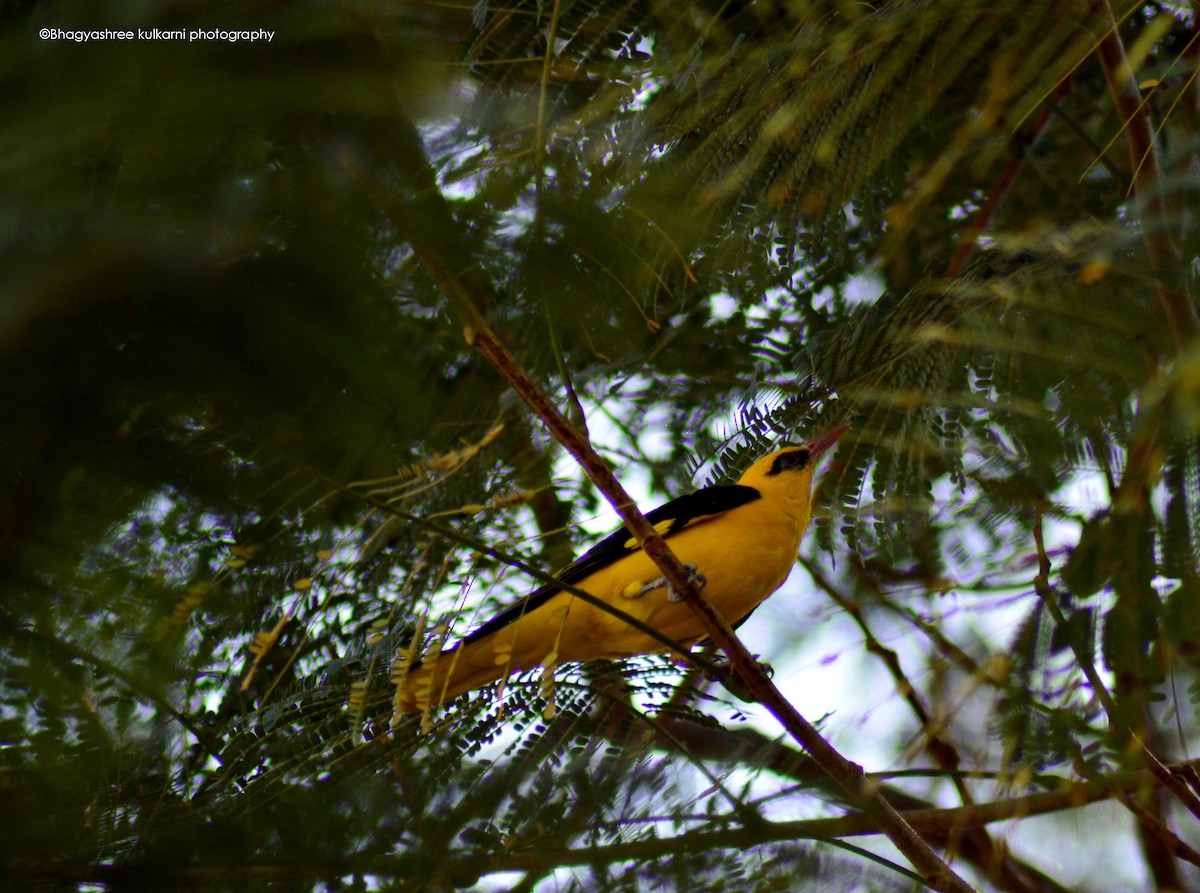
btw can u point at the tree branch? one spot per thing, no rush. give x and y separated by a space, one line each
1045 591
1177 308
742 747
1023 143
429 227
1166 843
466 870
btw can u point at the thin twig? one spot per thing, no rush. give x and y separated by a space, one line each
1023 144
64 652
1177 308
974 845
946 648
435 242
935 871
1041 585
1174 844
943 751
747 747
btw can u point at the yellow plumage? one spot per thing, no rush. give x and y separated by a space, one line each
742 539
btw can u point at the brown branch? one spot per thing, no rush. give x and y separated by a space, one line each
937 873
1170 841
1176 308
1169 780
427 223
466 870
1158 849
1045 591
747 747
943 752
969 240
1023 144
974 845
1178 311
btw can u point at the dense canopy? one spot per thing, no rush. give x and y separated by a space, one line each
312 314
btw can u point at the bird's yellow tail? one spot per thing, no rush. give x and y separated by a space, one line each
440 679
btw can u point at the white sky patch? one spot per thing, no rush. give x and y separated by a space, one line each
866 288
635 479
722 306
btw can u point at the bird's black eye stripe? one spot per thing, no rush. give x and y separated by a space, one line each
792 460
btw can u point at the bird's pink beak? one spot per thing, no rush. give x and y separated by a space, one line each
822 443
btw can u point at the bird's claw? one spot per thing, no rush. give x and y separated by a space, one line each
694 578
732 682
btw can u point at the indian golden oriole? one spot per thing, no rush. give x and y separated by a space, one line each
740 540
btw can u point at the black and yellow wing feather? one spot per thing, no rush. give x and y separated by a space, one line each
667 519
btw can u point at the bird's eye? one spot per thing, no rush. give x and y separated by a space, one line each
792 460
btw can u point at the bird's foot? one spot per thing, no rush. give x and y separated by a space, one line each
733 683
695 578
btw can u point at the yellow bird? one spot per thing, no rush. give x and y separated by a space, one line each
742 539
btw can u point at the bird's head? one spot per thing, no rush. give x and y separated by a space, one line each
788 472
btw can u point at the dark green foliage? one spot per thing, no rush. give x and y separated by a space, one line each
1042 717
704 229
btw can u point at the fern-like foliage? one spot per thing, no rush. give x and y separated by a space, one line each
249 462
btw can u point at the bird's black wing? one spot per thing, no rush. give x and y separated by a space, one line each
667 519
